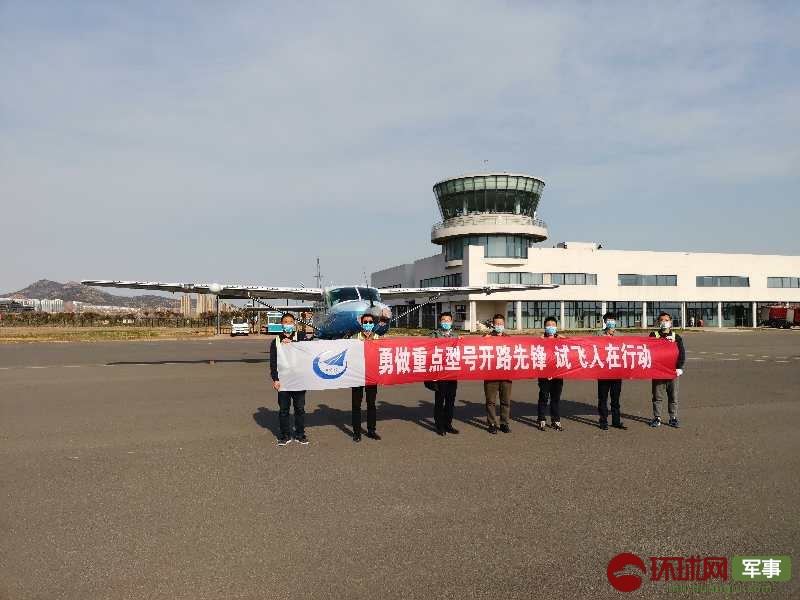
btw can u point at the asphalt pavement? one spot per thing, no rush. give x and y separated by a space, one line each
150 470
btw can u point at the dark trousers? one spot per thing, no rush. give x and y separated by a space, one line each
606 388
358 395
285 400
550 388
444 403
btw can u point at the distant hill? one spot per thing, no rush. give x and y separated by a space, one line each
74 291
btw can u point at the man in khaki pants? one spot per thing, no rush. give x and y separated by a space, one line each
498 387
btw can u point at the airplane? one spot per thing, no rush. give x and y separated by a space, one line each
337 309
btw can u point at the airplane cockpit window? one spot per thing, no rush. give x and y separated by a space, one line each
341 295
369 294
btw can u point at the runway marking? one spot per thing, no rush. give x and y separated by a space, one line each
730 359
759 360
765 356
782 361
694 358
35 367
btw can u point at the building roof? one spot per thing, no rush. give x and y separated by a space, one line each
489 174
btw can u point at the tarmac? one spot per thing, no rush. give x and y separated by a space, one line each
150 470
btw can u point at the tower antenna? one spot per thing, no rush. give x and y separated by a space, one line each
318 275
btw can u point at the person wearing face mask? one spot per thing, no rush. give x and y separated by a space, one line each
498 387
667 388
288 335
550 388
367 335
609 387
445 389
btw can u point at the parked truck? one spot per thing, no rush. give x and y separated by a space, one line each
782 317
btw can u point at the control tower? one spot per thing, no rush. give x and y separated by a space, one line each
495 210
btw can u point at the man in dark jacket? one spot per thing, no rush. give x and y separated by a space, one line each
667 388
550 388
445 391
289 335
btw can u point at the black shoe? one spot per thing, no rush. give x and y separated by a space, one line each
620 426
556 425
505 428
373 435
451 429
357 437
440 431
283 440
492 429
302 439
603 425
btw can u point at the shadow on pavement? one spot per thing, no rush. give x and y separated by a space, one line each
469 413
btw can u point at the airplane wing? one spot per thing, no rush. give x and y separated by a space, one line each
281 308
429 292
222 290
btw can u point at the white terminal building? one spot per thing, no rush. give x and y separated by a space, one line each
490 233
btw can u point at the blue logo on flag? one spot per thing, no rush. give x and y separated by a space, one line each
331 367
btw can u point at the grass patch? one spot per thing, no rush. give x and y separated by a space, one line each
11 335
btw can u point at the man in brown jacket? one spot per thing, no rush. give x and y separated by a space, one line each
498 387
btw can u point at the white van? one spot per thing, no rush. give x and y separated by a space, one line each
239 326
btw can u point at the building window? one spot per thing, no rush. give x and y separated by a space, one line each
429 314
629 314
783 282
630 279
406 317
459 313
573 278
582 314
722 281
502 277
701 314
655 308
452 280
454 249
737 314
533 313
494 246
506 246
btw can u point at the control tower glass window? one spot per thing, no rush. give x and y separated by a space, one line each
500 194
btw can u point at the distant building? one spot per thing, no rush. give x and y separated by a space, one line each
8 305
186 305
205 303
83 307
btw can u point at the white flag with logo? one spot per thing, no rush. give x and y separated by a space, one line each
321 365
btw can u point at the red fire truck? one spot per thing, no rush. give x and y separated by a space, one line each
780 316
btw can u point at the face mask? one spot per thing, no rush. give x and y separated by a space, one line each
446 325
288 327
611 324
551 329
368 327
665 324
499 328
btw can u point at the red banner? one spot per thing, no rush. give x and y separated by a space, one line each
391 361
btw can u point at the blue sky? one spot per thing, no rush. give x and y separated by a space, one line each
236 142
